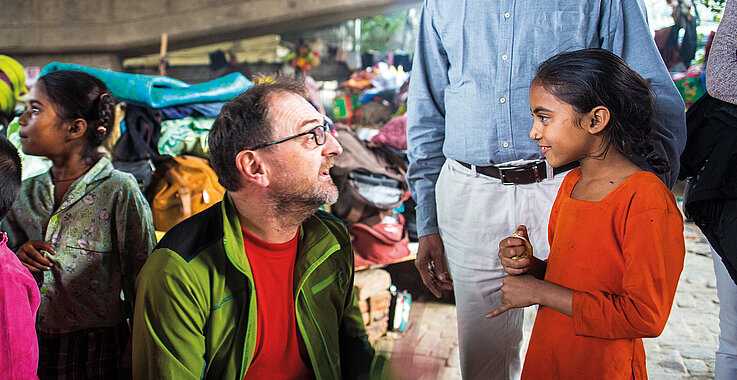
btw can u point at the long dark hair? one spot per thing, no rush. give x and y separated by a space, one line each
76 95
589 78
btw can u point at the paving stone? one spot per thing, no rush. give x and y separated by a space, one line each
454 360
697 351
685 300
668 361
696 366
663 376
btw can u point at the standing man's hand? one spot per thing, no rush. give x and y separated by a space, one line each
430 263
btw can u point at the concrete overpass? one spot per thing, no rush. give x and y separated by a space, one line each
101 33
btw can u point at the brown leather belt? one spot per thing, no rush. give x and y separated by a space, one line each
520 175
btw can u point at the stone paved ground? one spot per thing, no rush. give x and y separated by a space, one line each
685 350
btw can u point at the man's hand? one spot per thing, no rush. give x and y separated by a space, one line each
430 263
30 255
515 252
517 291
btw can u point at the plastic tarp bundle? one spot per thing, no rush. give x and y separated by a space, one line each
185 136
161 91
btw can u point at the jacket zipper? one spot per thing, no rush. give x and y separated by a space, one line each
302 296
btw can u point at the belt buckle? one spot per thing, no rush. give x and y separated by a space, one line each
528 166
503 176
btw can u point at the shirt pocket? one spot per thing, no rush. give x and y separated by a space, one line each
89 265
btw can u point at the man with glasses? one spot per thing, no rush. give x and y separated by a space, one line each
259 285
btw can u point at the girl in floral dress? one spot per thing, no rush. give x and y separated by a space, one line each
82 228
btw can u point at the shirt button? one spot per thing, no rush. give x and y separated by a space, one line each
505 144
507 15
502 100
504 57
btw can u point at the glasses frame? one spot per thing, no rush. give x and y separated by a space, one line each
327 126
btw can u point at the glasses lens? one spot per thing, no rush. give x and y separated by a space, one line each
329 124
319 135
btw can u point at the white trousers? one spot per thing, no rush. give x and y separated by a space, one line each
475 213
726 355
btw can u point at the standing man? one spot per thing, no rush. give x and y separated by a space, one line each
258 286
474 172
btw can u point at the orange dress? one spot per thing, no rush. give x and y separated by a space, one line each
622 256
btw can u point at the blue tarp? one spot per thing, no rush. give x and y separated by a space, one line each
160 91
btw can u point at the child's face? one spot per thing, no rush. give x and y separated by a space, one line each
41 130
557 130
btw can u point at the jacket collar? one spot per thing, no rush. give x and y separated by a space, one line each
314 241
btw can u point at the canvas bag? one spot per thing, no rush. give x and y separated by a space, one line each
182 187
380 244
369 185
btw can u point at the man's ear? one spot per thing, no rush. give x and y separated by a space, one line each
251 168
76 129
598 119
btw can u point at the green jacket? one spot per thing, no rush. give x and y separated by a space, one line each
195 312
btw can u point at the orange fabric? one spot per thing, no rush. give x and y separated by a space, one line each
623 256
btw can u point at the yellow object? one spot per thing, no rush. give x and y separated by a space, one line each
17 78
159 235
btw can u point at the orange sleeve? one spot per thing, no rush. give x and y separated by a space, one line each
653 250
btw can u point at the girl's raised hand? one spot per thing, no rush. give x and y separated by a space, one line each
30 255
515 252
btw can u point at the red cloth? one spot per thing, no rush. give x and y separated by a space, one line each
622 256
393 134
280 351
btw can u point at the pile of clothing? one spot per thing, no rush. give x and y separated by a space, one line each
374 199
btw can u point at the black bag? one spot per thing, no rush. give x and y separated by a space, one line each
142 170
136 151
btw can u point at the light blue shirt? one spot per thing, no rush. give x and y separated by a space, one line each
475 59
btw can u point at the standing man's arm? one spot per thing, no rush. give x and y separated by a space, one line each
624 31
169 322
425 136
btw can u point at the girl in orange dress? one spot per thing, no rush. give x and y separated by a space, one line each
615 232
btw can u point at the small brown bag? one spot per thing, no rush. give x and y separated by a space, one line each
182 187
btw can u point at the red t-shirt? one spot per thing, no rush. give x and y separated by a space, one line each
280 351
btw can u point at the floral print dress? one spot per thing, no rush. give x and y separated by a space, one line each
102 233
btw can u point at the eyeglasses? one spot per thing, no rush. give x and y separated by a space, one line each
320 133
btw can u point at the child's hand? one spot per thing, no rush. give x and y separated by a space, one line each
517 292
30 255
515 252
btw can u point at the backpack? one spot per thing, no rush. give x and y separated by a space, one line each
370 186
381 243
180 188
136 151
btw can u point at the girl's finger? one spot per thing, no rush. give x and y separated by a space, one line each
34 257
30 267
35 264
500 310
42 245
